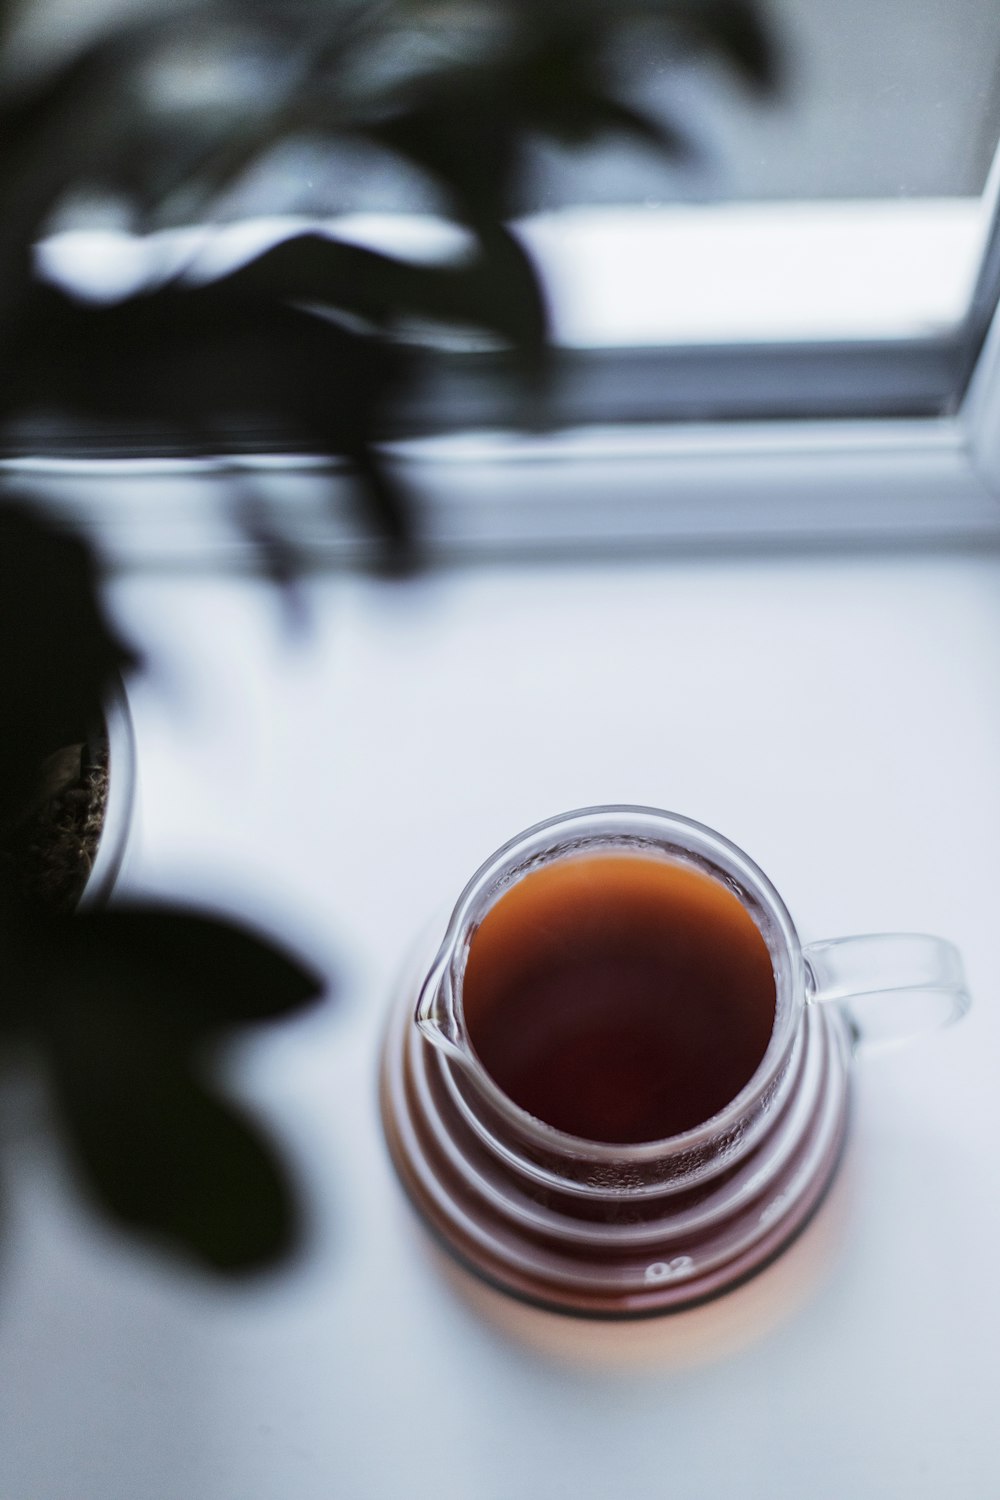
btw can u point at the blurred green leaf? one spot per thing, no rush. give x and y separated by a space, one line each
127 1007
183 970
387 505
462 134
282 561
57 130
164 1155
734 31
194 362
466 124
496 288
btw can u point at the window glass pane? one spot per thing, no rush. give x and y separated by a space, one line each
766 272
880 100
839 226
852 205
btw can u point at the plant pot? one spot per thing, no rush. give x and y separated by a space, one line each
68 849
119 807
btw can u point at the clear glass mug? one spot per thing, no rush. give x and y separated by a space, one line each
642 1226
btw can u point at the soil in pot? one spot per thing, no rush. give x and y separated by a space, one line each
49 855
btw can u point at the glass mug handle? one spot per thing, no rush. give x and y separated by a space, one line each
899 985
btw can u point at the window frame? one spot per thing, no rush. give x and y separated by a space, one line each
859 444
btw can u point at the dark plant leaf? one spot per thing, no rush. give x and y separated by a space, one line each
58 130
466 127
733 31
564 88
385 290
58 653
163 1155
193 357
606 115
183 972
515 292
388 508
746 43
127 1006
496 289
201 363
463 134
282 562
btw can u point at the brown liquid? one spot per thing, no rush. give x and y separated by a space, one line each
619 997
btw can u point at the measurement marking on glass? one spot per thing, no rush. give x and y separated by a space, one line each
667 1270
774 1208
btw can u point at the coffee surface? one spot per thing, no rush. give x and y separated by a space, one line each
619 997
